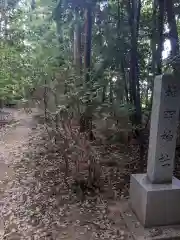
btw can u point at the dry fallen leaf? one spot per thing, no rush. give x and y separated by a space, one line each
37 205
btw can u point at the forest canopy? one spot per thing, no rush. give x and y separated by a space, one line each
88 53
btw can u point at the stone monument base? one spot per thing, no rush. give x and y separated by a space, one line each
155 204
138 232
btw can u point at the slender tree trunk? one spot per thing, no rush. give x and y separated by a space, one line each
33 4
160 36
138 98
173 33
147 97
111 90
125 81
132 88
135 8
86 117
122 61
88 39
1 20
104 94
154 37
77 44
134 11
153 48
5 25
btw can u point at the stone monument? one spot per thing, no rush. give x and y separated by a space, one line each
155 196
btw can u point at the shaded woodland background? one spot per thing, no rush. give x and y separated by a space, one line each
89 67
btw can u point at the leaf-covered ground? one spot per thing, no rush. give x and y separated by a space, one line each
35 202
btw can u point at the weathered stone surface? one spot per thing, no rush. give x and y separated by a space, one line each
164 120
155 204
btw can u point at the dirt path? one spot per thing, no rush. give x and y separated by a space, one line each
11 139
34 208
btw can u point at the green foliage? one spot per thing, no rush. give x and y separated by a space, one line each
37 52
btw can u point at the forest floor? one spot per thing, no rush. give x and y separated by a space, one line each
34 204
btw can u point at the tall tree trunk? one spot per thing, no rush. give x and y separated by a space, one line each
111 90
134 17
147 97
88 39
104 94
125 80
77 44
154 38
5 25
173 33
86 117
131 21
33 4
135 8
122 58
153 48
160 36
